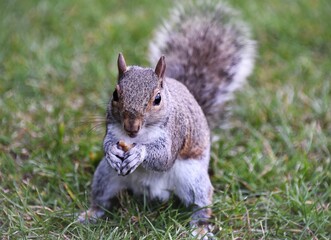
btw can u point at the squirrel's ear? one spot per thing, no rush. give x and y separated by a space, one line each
160 67
121 65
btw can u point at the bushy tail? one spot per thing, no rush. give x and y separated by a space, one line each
209 50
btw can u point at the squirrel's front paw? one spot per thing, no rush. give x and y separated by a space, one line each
132 159
114 158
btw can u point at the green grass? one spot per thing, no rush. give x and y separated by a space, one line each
271 171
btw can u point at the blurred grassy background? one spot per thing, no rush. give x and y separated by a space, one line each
271 171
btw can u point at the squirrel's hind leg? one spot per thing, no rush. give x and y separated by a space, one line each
106 185
193 187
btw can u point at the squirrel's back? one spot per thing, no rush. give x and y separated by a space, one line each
188 122
207 49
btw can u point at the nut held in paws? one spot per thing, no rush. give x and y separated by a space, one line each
125 146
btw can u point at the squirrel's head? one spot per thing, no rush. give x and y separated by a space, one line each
138 99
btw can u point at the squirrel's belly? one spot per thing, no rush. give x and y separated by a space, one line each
180 179
154 185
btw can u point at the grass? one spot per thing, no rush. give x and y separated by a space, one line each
271 171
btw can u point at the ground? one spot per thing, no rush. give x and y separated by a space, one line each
271 170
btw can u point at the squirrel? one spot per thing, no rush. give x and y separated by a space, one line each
159 120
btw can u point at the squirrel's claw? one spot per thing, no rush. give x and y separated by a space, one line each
203 232
114 158
115 150
91 215
132 159
114 162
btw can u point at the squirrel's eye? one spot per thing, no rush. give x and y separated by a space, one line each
115 96
157 99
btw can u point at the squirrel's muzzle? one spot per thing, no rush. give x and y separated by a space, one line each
132 124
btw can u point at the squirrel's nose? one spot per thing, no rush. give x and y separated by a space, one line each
132 127
132 133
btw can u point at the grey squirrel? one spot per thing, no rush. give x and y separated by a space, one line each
158 121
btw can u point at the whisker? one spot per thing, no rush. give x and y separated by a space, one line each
102 105
96 128
93 123
93 119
